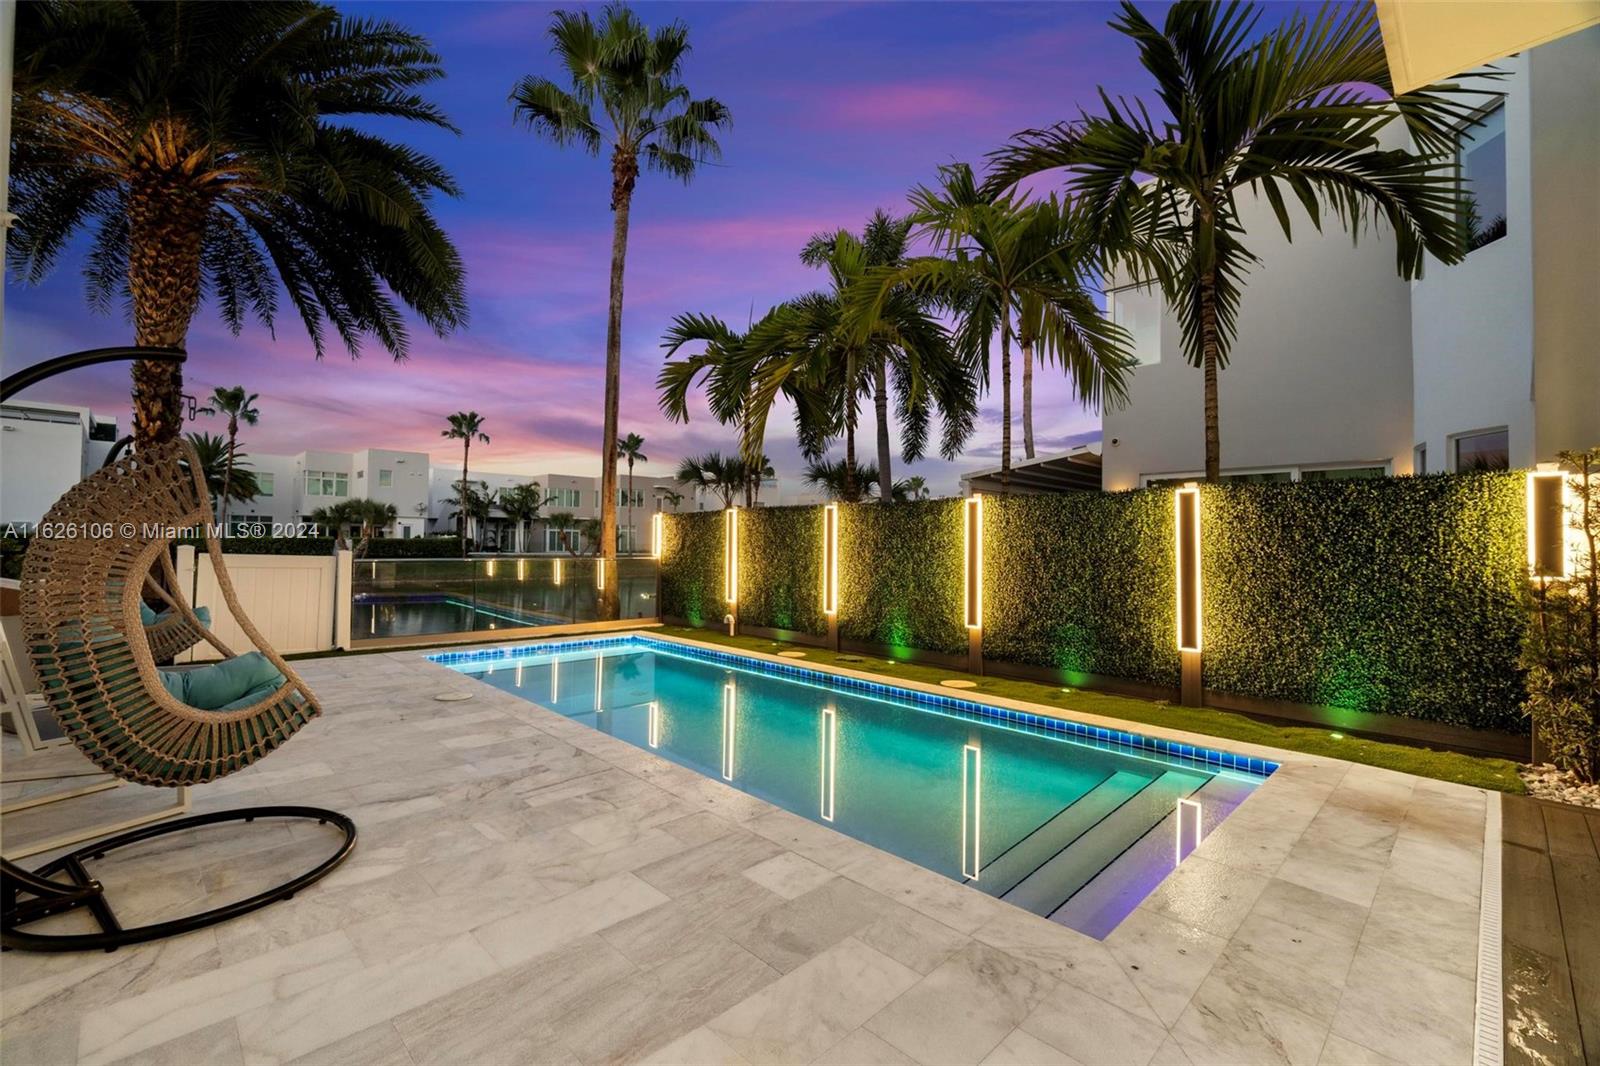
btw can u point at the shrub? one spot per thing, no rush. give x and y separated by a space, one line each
691 568
780 568
900 573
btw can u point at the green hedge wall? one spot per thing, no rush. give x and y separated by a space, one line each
900 575
1394 595
780 569
691 568
1083 582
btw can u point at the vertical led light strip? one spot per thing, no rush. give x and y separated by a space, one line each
1186 523
971 810
730 555
656 532
555 682
519 675
830 759
1180 851
730 713
600 574
1547 521
599 683
488 568
972 556
830 559
522 569
555 571
654 724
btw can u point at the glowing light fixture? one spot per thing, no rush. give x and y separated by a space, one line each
830 759
830 559
600 574
654 724
488 568
972 538
599 683
730 715
555 571
1547 524
522 569
1188 813
519 675
971 810
1186 522
555 682
656 534
730 555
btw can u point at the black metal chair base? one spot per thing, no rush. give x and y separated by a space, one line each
27 897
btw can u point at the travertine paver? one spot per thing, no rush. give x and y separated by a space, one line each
526 889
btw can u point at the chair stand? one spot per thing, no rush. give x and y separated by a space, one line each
64 884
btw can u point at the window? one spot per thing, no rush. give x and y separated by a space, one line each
327 483
385 478
1343 473
1138 311
565 497
1419 459
1489 450
264 484
1481 159
622 498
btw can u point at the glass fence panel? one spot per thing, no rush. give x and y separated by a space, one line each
407 598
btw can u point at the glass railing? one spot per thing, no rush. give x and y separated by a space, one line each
398 599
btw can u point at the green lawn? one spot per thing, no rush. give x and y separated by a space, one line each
1497 774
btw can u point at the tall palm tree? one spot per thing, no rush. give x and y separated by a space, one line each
647 116
631 448
1293 109
996 251
465 426
223 149
227 475
239 406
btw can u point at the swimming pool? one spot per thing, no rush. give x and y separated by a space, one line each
1073 822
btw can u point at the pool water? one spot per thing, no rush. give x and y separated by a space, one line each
1076 829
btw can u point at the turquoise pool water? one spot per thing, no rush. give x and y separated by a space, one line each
1077 828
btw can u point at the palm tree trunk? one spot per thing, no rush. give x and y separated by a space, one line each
166 221
461 496
624 173
880 402
1027 398
850 493
1005 397
227 473
1210 350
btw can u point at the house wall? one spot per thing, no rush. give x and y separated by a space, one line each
43 452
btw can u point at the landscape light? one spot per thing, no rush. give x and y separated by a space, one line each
972 538
1547 522
600 574
1186 523
730 713
730 555
1193 821
830 755
971 796
654 724
656 530
555 571
830 559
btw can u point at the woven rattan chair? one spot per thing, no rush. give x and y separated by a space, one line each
96 666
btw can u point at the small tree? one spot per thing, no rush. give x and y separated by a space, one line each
1562 648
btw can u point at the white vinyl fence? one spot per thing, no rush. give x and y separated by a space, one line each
299 603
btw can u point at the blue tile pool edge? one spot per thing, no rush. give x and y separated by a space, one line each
1136 743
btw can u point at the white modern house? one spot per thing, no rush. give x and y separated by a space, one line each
45 448
1341 369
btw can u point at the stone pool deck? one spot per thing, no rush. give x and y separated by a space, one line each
528 890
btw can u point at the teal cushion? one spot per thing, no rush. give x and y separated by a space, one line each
151 618
220 685
147 614
255 695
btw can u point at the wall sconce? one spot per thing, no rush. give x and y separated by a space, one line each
972 538
1186 523
555 571
656 530
730 713
830 559
730 555
971 810
830 759
1547 524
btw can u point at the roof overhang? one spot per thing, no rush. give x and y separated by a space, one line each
1077 470
1428 41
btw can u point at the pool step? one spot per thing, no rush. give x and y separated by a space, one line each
1074 866
1010 867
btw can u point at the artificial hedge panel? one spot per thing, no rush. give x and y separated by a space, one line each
900 575
691 568
780 569
1393 595
1082 582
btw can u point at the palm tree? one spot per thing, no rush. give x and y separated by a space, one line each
239 406
715 473
368 517
521 505
631 448
564 524
996 252
646 114
227 474
472 505
916 488
222 149
465 426
1292 109
666 496
831 476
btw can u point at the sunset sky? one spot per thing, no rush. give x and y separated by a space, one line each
838 109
